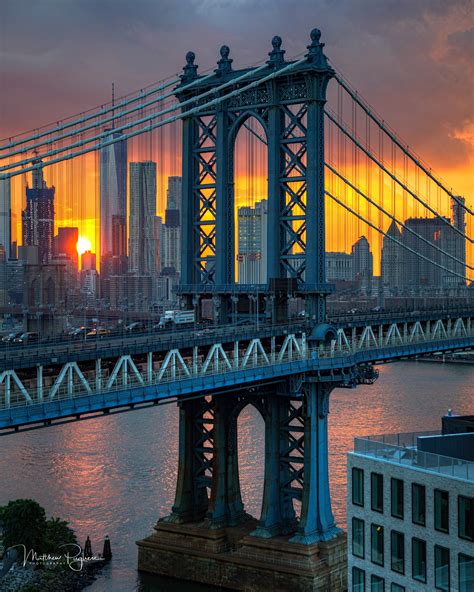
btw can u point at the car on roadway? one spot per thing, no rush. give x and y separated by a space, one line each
99 332
10 338
27 337
204 333
79 332
135 327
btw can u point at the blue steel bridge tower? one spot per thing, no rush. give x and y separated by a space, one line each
287 98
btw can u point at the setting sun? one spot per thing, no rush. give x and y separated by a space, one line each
83 245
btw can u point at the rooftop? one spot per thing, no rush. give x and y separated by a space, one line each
406 449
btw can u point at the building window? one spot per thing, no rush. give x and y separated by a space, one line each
441 510
357 487
358 536
376 492
376 544
396 488
441 561
358 580
418 504
466 517
397 588
397 541
418 560
466 573
377 584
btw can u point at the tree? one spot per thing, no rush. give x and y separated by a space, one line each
24 523
57 533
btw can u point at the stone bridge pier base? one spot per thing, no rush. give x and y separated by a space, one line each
209 538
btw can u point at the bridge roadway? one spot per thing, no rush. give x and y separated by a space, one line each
62 350
179 366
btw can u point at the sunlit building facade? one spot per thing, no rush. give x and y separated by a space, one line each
142 240
171 244
252 243
113 192
38 217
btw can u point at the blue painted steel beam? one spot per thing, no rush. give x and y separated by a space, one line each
60 408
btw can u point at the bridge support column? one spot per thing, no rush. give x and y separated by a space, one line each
225 507
39 383
194 464
278 515
316 520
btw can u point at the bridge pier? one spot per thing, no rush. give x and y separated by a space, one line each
210 539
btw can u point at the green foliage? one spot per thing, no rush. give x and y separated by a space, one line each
57 533
24 523
30 588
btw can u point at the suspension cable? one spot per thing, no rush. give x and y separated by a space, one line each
389 173
81 120
133 124
159 124
381 124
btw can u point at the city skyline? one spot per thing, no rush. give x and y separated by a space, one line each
233 273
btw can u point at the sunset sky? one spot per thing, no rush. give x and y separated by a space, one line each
411 59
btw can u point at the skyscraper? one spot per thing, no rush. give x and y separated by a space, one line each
363 264
458 243
252 243
435 269
88 275
113 194
142 242
65 242
362 259
392 259
38 217
5 217
171 257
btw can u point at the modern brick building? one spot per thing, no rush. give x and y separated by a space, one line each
410 512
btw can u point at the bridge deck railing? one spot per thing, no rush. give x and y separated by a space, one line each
72 382
374 446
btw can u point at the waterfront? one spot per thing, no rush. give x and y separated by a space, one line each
116 475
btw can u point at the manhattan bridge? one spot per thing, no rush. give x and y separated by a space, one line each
332 168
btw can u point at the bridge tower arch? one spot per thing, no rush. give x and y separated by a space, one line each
287 98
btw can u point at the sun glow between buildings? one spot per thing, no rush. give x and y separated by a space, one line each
83 245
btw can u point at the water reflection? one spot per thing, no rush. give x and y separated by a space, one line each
116 475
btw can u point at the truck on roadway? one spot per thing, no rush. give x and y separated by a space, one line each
176 318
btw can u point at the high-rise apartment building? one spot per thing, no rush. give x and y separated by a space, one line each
142 241
38 217
171 247
113 197
252 243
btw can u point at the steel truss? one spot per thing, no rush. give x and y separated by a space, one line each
290 108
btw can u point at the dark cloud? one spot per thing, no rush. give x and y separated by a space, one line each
412 59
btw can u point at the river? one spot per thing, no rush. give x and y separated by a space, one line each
116 474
